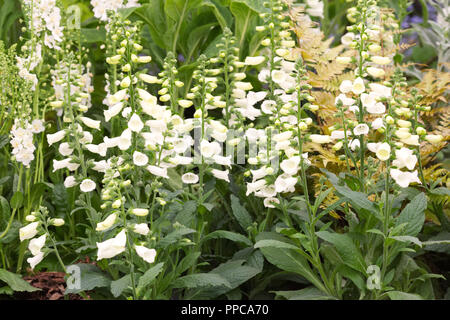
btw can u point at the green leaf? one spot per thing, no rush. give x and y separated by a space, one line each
274 244
357 199
187 262
200 280
5 212
186 215
241 214
236 237
399 295
407 239
17 200
346 248
118 286
234 272
288 259
174 236
310 293
413 215
93 35
222 14
90 277
150 275
15 281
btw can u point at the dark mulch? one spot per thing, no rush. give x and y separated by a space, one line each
52 285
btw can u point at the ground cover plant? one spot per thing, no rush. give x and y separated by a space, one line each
224 149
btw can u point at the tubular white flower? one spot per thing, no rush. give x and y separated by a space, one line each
346 86
33 261
140 159
141 228
361 129
107 223
112 247
223 175
29 231
358 86
290 166
70 182
383 151
189 178
375 72
94 124
269 202
147 254
320 139
135 124
404 178
87 185
254 61
56 137
158 171
37 244
405 158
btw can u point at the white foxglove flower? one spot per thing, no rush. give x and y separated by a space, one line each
434 138
285 183
56 137
412 140
318 138
361 129
58 222
404 178
346 101
87 185
158 171
380 90
140 212
380 60
140 159
405 158
290 166
64 149
93 124
209 149
70 182
37 126
33 261
383 151
254 61
141 228
135 124
124 141
346 86
147 254
221 160
377 108
375 72
347 38
269 202
112 247
37 244
189 178
377 123
29 231
107 223
87 137
113 111
255 186
354 144
117 97
358 86
223 175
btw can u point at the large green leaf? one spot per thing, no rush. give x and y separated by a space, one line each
234 272
236 237
150 275
241 214
90 277
309 293
346 248
15 281
118 286
174 236
288 259
399 295
200 280
357 199
413 215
